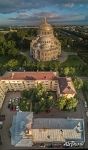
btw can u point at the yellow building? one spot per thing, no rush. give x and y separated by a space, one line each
19 81
45 46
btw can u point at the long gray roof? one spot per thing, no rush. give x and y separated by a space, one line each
56 123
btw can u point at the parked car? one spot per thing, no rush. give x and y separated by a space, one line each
1 124
17 108
87 113
0 140
10 100
85 104
2 117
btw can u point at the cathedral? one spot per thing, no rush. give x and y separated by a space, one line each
45 47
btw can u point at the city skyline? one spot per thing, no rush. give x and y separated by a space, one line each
30 12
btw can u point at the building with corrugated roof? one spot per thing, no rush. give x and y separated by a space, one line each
27 130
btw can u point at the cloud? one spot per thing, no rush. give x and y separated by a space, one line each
22 11
9 6
46 14
26 18
69 5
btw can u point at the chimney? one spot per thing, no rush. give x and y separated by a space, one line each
12 75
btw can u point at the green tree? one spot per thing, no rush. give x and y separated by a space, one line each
78 83
11 48
71 103
61 102
66 71
2 46
40 99
13 63
72 71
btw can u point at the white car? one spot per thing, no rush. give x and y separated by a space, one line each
16 99
17 109
13 100
17 106
10 100
85 104
87 113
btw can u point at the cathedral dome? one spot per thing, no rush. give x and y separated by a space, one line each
45 46
45 26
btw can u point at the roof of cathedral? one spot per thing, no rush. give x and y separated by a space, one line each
45 25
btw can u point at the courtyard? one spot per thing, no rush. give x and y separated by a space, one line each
5 134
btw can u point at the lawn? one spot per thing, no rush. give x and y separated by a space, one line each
71 49
81 68
73 61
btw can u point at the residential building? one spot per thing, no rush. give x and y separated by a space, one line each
19 81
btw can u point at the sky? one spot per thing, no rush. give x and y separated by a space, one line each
31 12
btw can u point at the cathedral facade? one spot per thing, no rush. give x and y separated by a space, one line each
45 46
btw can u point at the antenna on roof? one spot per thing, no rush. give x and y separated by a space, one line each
12 75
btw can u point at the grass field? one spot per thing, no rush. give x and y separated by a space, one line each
81 68
73 61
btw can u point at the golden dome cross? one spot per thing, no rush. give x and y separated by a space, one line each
45 19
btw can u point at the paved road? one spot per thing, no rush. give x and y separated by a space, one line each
84 78
83 112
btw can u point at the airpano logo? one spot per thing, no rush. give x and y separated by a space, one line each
72 143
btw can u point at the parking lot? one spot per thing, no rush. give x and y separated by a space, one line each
5 134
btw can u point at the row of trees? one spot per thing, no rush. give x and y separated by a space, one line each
28 65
